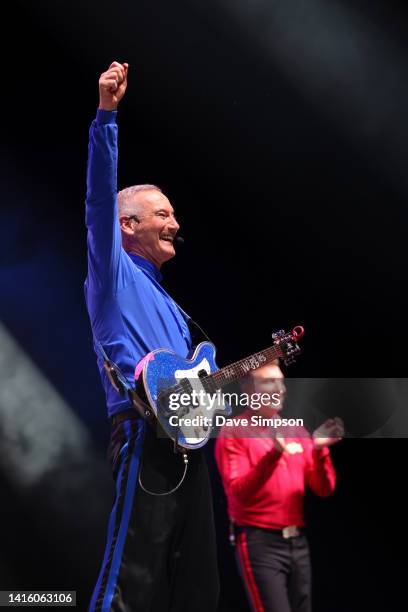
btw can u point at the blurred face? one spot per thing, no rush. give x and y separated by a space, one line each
152 235
268 380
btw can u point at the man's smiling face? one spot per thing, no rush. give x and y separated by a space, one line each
267 381
151 234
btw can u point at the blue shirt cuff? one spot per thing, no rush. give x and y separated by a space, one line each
103 116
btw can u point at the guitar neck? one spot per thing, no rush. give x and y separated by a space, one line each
240 368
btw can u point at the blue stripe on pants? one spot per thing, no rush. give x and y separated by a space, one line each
127 477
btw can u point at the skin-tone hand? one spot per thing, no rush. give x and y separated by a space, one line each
279 443
330 432
112 86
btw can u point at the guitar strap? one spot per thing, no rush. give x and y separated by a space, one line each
120 384
196 331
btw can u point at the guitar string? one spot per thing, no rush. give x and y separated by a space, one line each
219 374
271 353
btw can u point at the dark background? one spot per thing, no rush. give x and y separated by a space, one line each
279 134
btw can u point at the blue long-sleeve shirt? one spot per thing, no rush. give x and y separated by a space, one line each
130 313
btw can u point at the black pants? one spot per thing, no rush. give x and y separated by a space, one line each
276 571
160 554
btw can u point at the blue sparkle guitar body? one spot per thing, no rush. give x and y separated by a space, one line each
169 381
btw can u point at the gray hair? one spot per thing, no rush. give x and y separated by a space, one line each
126 204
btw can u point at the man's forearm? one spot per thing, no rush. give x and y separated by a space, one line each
244 486
104 240
102 157
321 477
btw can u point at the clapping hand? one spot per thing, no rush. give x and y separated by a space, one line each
328 433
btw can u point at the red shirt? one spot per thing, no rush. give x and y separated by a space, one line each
265 488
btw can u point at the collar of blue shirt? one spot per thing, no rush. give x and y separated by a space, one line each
147 266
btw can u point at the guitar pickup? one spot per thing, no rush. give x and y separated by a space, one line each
182 387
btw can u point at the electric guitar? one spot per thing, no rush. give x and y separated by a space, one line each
182 396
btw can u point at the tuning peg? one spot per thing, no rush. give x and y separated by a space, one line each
278 334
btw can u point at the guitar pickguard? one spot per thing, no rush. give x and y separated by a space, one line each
167 371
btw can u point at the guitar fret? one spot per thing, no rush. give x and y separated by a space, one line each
240 368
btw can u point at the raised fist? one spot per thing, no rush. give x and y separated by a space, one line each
112 86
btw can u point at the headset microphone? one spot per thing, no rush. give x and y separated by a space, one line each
179 241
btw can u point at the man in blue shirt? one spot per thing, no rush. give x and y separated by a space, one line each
160 552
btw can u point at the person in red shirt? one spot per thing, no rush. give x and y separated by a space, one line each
264 472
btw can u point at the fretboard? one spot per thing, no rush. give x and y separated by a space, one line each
240 368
